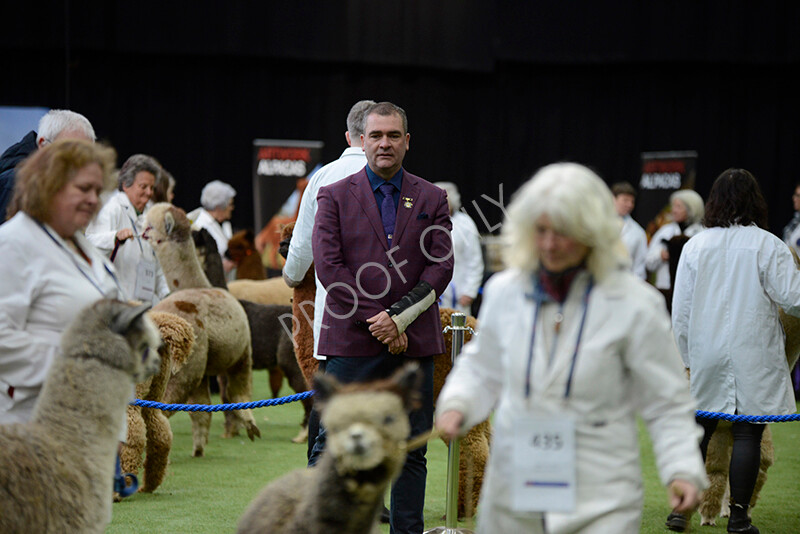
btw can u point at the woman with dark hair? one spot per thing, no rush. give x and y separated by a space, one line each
730 282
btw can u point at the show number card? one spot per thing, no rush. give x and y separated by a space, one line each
544 465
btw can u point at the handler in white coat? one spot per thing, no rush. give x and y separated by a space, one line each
571 347
731 279
467 256
49 270
118 231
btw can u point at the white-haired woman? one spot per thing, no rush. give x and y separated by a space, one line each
214 213
687 209
572 347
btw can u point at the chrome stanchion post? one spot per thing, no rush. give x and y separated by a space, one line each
458 325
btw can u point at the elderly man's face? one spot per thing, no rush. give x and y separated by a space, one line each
141 190
385 144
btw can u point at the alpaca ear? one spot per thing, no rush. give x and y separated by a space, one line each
123 320
408 380
169 222
325 387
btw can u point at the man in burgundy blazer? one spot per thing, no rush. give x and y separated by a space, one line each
384 254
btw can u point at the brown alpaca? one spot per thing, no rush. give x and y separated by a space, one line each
303 312
713 501
474 447
242 252
148 428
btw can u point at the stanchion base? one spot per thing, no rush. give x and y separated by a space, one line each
446 530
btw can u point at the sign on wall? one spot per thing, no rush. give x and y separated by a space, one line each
278 164
663 173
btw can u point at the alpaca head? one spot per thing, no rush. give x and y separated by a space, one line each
117 334
165 223
367 424
241 245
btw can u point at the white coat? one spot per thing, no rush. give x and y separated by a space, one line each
116 214
728 287
626 364
467 263
794 239
653 259
222 233
634 238
43 285
300 256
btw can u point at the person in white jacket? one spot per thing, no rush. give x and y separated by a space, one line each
730 282
467 256
214 214
49 270
686 209
632 234
119 227
571 347
299 258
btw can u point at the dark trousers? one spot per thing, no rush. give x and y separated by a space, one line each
408 491
745 457
313 418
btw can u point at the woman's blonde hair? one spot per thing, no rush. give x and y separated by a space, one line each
43 174
578 204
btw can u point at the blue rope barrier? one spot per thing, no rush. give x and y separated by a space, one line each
221 407
749 418
306 394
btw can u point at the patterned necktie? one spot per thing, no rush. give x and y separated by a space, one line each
388 213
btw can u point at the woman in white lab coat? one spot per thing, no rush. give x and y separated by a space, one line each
118 230
731 279
686 210
49 271
571 347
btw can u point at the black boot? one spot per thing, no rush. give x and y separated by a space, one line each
677 522
740 521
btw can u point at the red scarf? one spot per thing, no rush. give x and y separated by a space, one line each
557 285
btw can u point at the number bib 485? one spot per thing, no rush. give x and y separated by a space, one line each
544 464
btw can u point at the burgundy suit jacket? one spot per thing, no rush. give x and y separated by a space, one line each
364 277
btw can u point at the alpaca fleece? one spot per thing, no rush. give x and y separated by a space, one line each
367 428
57 471
222 333
148 428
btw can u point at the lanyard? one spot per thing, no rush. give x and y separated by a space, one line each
135 232
538 296
77 265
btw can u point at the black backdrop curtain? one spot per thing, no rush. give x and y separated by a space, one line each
493 90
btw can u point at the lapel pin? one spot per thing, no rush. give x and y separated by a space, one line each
408 202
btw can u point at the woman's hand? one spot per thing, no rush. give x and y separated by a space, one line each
683 496
449 424
124 234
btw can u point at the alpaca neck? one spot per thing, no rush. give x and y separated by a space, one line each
84 402
181 265
359 500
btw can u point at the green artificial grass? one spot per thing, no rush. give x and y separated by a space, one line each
209 494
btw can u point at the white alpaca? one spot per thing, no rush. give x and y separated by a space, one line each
56 472
222 333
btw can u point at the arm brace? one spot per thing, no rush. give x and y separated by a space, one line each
407 309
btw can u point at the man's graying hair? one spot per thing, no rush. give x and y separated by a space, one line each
386 109
357 117
56 121
133 166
